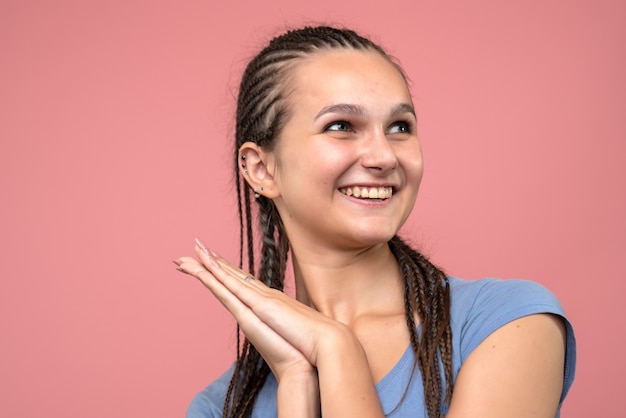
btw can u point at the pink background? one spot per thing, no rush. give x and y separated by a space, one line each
115 128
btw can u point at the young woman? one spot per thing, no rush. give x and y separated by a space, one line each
327 150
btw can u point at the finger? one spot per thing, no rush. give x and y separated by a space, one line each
214 263
249 291
236 280
194 268
271 345
243 275
231 301
184 265
297 323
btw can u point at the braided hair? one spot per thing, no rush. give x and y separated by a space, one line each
262 110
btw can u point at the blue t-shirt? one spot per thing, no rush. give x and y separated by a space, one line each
479 307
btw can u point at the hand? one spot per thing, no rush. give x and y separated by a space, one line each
283 330
319 364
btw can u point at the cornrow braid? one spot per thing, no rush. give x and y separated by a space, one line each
262 111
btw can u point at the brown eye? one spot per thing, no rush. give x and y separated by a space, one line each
339 126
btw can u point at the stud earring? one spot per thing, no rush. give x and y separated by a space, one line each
243 164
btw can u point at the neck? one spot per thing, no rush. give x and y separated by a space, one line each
349 285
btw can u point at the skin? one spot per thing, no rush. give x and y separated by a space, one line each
355 125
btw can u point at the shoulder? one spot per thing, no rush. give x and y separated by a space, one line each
209 402
480 307
516 371
517 294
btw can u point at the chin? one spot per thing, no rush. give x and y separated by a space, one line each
380 237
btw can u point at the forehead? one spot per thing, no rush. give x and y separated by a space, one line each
347 76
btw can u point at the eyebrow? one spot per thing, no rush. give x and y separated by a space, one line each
341 108
356 110
403 108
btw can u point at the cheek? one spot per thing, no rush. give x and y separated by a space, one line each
419 169
301 173
413 163
321 162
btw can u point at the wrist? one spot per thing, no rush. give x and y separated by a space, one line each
337 346
298 394
345 380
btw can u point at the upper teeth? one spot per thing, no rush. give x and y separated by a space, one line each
367 192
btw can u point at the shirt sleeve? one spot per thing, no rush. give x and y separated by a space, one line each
492 303
209 402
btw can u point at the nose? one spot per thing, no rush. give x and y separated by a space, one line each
379 154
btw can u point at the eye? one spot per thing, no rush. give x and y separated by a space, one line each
400 127
338 126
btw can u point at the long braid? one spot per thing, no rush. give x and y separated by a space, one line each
250 365
273 257
262 110
244 366
427 293
249 233
242 195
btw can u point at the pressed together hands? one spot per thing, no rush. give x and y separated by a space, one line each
307 351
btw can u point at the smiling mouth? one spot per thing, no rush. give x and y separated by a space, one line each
377 193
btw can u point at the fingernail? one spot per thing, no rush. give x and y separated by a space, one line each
202 246
180 269
178 263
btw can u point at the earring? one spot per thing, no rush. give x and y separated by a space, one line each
243 164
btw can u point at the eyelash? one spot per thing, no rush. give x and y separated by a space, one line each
406 125
338 122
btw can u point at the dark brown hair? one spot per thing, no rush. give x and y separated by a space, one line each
262 110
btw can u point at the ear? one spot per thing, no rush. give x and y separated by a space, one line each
257 167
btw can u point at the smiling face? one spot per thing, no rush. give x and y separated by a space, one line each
347 165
